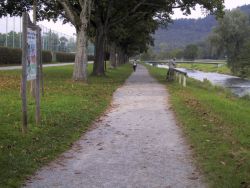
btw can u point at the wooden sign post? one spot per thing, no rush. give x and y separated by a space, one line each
31 57
24 74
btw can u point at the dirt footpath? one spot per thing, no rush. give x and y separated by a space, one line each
137 144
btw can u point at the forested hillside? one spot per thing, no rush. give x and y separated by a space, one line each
186 31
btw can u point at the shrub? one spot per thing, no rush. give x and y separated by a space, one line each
13 56
10 56
46 56
91 57
65 57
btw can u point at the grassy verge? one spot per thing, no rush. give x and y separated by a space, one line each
68 108
218 127
207 67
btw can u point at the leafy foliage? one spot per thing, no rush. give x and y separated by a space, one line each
231 36
191 52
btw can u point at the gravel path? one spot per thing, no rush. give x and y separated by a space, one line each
137 144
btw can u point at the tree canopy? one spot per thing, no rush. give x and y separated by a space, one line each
231 37
126 24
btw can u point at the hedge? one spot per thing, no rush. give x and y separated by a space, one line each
13 56
65 57
10 56
69 57
46 56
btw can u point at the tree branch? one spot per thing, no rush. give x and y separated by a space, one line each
70 12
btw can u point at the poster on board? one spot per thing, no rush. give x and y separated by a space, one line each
31 56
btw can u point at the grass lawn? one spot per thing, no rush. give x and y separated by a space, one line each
217 126
207 67
68 109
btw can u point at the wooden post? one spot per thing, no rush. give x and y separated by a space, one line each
24 75
41 64
184 81
179 78
38 58
33 82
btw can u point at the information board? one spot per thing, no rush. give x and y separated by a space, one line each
32 54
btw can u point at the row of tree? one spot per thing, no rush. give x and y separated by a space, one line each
122 27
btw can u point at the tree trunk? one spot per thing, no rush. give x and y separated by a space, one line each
81 59
98 68
112 55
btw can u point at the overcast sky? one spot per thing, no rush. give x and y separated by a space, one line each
69 30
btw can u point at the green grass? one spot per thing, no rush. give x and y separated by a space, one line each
217 126
207 67
68 109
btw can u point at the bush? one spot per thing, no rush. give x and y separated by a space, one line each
13 56
70 57
46 56
65 57
91 57
10 56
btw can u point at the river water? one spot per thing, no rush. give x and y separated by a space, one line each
238 86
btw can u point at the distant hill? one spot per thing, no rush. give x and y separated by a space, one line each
186 31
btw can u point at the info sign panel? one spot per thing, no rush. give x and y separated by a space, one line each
32 54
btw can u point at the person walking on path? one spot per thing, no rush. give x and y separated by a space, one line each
137 143
170 73
134 66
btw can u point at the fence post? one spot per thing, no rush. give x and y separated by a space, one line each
24 75
184 81
179 78
38 57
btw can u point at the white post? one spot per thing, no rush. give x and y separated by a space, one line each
20 34
184 81
13 36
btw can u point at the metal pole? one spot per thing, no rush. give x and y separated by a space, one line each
13 36
6 37
24 75
20 35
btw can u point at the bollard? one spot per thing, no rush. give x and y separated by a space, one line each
184 81
179 78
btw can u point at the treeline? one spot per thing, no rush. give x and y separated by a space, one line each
183 32
229 39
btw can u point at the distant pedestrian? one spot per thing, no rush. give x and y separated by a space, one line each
134 65
171 65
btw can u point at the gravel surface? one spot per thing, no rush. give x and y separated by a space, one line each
136 144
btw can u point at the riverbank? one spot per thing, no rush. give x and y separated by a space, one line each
218 128
68 108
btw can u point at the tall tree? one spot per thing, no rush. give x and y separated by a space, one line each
231 35
191 52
